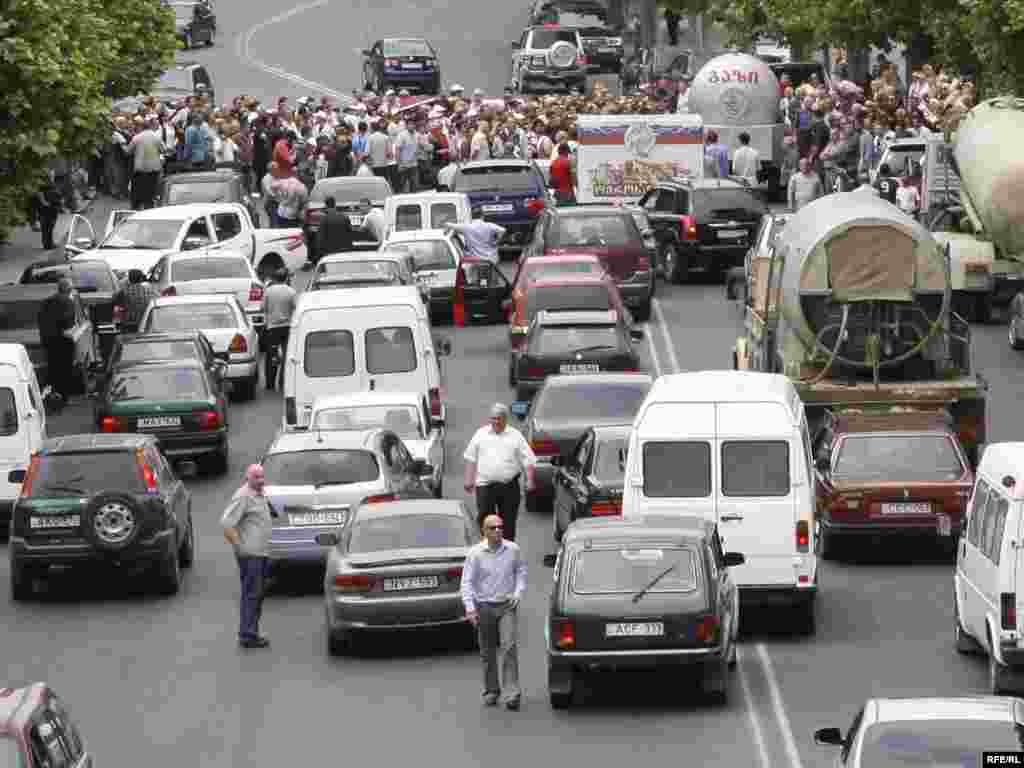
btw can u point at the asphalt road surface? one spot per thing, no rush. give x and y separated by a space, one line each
162 683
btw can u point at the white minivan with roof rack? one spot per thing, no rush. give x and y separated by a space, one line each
988 585
733 447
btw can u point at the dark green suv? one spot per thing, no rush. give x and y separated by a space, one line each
107 499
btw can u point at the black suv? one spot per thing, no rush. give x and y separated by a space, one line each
708 224
94 498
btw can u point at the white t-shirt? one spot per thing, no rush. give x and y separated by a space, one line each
447 174
908 199
498 457
745 162
479 149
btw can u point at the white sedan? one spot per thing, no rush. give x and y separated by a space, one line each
189 274
436 255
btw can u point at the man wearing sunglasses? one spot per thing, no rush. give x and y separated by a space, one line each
493 583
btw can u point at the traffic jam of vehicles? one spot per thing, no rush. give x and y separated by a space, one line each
852 413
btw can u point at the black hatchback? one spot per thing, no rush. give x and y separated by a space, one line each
646 592
109 499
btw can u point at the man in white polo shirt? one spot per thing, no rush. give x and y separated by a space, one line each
495 457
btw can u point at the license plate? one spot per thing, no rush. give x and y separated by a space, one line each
410 582
732 233
907 508
945 525
159 421
412 66
579 368
641 629
317 518
504 208
356 221
55 521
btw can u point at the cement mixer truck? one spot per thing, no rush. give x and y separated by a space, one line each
854 305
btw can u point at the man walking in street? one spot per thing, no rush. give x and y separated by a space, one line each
48 203
379 151
147 149
278 306
408 161
804 187
55 320
886 184
247 525
493 584
746 161
133 299
495 457
481 236
335 233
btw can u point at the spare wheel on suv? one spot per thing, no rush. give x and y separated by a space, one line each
562 55
112 521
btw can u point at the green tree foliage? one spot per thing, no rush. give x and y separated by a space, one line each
58 61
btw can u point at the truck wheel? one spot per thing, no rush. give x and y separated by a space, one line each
676 267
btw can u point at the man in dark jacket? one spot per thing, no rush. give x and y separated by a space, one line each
335 233
55 320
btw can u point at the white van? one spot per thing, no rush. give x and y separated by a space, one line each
425 210
370 339
989 600
22 422
733 447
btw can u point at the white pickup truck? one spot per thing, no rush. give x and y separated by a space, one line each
140 239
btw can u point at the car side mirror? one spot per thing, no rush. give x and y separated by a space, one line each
187 470
519 409
514 45
556 461
732 559
636 334
16 476
550 560
829 736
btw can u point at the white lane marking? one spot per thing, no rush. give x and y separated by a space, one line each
673 360
243 45
792 753
748 704
654 349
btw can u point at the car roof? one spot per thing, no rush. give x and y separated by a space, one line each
511 163
349 256
202 254
368 297
724 386
541 258
94 442
571 317
17 705
179 211
428 196
568 381
570 278
991 708
684 527
143 338
903 422
365 398
356 439
222 174
182 362
415 236
403 39
195 298
445 507
591 210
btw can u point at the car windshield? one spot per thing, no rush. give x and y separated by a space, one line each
583 297
84 474
208 268
428 254
918 458
320 466
560 341
596 231
179 193
408 532
538 270
348 189
727 204
591 400
86 276
617 571
610 461
159 383
939 743
191 317
404 420
498 178
148 234
406 48
143 351
545 38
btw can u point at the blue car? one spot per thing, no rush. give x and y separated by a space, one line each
512 194
402 62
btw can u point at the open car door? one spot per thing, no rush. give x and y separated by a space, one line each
80 236
115 218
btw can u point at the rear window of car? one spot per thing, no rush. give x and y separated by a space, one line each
403 420
390 350
327 466
198 192
514 179
349 189
191 317
158 384
618 571
863 458
443 213
610 461
329 353
84 474
407 48
596 231
8 412
677 470
141 351
409 532
592 400
383 270
582 297
755 468
538 270
209 269
545 38
942 742
559 341
428 254
727 203
408 217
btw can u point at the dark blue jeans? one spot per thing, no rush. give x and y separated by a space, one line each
253 572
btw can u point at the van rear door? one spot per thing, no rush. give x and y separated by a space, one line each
327 357
392 349
15 429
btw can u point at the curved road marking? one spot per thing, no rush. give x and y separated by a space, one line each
243 49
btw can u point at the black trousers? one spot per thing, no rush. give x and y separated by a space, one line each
273 337
500 499
47 221
144 189
60 359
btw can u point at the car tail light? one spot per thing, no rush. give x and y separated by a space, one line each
111 424
605 508
803 536
544 447
1008 610
169 291
379 498
289 410
391 62
210 421
30 475
566 635
147 473
454 574
120 313
535 206
238 344
708 630
687 228
356 582
255 292
435 402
